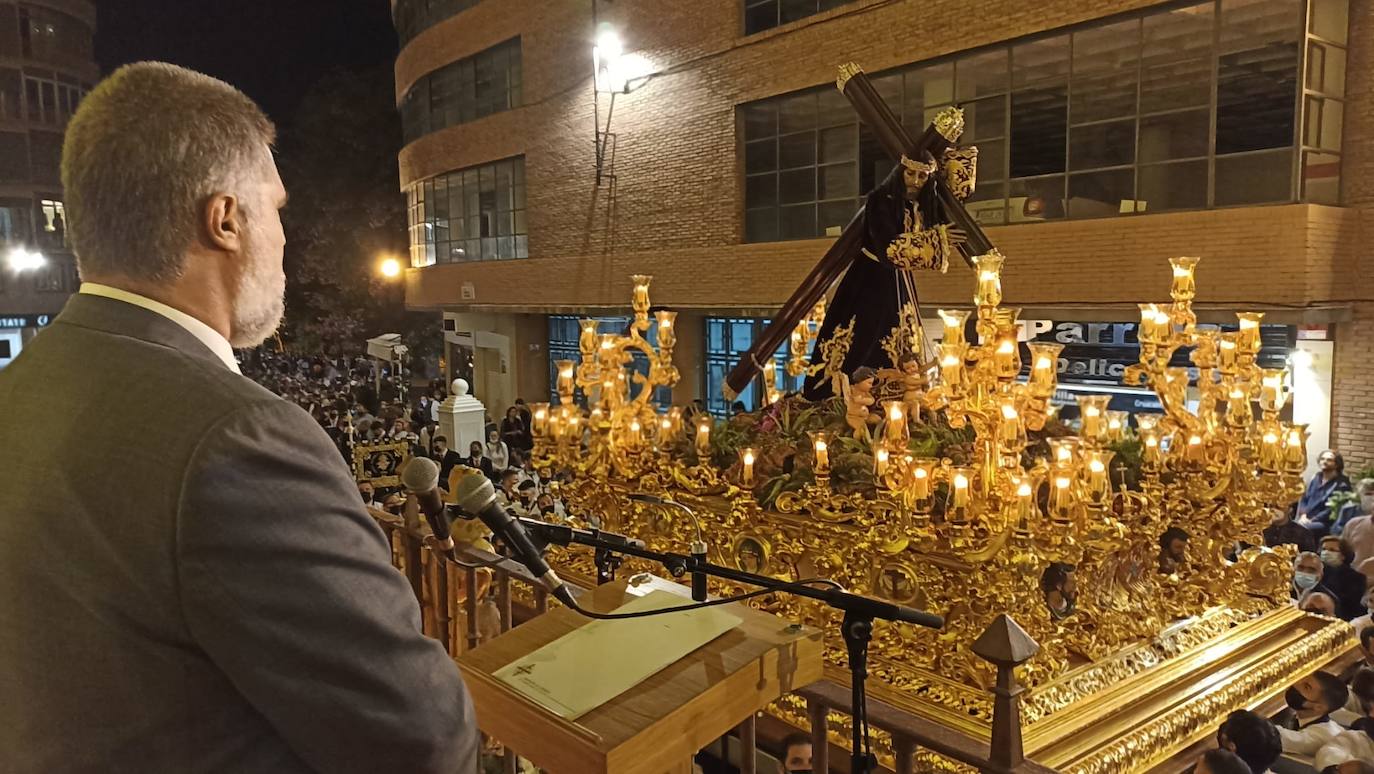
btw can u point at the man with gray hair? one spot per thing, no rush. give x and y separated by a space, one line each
189 581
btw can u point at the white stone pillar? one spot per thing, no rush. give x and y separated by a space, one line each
462 418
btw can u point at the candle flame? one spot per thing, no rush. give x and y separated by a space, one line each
921 473
1096 466
1008 411
1024 490
960 481
1061 483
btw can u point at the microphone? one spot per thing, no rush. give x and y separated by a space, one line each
420 477
475 495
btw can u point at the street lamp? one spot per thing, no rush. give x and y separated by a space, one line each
608 58
390 268
21 259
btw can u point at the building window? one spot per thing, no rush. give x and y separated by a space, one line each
51 35
52 219
564 334
415 16
14 220
14 157
59 276
466 90
760 15
727 339
474 214
1186 108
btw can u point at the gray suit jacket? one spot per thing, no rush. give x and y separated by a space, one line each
188 579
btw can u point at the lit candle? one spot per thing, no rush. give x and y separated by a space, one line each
955 322
1273 396
1238 411
1295 451
1062 451
952 363
959 481
1150 332
1116 425
770 375
556 426
1226 352
1061 497
880 459
1184 287
1194 451
746 458
1151 456
1248 337
1044 375
1095 480
1004 358
635 435
989 292
820 443
540 416
667 334
1091 410
1009 430
566 368
1270 454
922 472
1025 503
704 436
665 430
675 416
895 432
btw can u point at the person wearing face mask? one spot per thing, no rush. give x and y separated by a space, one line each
447 459
1307 576
1311 700
550 509
1341 578
525 497
1351 510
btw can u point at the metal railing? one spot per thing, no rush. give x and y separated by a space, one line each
451 614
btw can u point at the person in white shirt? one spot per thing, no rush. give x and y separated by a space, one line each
497 452
1346 747
528 473
1313 699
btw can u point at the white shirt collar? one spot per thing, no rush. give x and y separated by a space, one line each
208 336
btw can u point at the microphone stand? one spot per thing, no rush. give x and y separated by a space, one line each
856 628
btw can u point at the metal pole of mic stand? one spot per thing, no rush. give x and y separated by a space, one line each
857 631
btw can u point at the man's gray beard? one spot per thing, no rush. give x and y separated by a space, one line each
252 325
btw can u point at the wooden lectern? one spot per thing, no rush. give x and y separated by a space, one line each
659 724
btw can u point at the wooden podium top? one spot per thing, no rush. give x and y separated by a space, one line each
658 725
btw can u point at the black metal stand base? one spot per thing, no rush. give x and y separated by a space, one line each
858 632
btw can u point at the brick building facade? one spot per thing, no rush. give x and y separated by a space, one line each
678 200
47 64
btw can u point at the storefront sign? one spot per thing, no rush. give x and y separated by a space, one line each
25 321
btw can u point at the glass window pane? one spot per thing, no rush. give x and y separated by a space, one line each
798 185
1323 120
1102 194
761 225
761 156
797 113
1321 178
1254 178
792 10
760 120
1105 74
837 181
985 118
1040 60
1039 125
992 161
832 109
982 74
834 216
1326 69
1102 145
797 150
797 222
926 87
988 203
1330 19
1176 58
761 17
838 144
761 190
1174 135
890 87
1257 68
1040 198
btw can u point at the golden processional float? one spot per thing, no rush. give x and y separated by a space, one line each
949 484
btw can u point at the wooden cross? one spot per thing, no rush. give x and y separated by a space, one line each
854 84
524 669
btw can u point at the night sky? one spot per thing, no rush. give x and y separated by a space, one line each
273 50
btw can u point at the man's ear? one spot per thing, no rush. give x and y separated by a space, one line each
223 222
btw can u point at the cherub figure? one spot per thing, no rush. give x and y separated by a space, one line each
911 374
859 400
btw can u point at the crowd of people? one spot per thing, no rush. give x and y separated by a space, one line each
355 405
